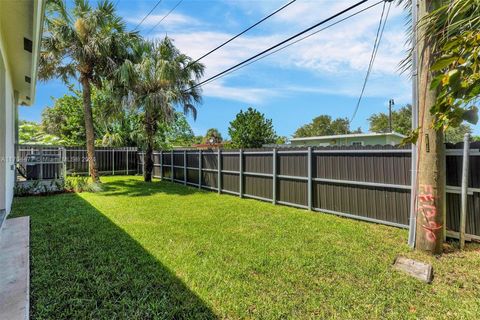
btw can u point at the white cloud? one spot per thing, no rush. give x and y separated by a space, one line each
333 55
173 20
243 94
198 43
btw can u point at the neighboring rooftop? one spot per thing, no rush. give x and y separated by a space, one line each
353 139
351 135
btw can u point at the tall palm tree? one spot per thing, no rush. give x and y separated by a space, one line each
158 80
86 45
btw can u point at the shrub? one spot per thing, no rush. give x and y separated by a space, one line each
77 183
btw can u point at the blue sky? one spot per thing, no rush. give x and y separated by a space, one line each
320 75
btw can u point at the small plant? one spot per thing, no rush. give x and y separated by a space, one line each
77 183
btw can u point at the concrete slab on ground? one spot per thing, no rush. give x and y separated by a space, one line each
15 269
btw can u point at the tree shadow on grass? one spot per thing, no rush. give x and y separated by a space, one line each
137 188
83 266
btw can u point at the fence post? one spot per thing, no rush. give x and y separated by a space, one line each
185 167
274 176
240 173
113 162
64 161
309 168
126 161
219 169
199 169
161 165
41 164
464 202
171 166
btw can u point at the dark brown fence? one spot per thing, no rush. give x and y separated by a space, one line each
372 184
54 162
113 161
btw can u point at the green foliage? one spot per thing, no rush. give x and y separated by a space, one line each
213 136
65 119
83 42
153 83
281 140
458 80
250 129
324 126
456 134
31 133
38 187
77 183
402 123
175 134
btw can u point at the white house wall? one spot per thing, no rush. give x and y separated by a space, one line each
7 131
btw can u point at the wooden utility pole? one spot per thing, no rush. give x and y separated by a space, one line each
430 190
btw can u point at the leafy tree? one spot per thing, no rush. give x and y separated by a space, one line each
213 136
30 132
157 79
402 123
281 140
65 119
453 32
324 126
251 129
456 134
87 45
175 134
458 65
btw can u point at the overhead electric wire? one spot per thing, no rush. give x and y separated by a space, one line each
280 43
376 44
296 41
246 30
147 15
164 17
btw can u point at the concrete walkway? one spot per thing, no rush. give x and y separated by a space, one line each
15 269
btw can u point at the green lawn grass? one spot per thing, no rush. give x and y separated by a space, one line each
162 250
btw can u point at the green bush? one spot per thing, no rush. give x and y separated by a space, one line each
77 183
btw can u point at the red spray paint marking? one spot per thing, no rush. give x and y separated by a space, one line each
427 208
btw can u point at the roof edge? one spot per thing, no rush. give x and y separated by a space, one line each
352 135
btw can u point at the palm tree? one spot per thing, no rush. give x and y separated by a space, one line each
213 136
87 46
158 80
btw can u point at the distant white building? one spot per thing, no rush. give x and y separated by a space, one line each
354 139
21 23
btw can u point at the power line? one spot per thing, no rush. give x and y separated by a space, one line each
165 16
296 41
376 44
147 15
280 43
244 31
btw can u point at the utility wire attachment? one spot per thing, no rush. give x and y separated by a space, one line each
376 44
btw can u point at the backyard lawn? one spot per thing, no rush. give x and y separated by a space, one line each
162 250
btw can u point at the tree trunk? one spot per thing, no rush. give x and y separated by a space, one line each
89 130
147 175
431 156
148 160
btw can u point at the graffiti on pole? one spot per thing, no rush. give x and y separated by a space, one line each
428 209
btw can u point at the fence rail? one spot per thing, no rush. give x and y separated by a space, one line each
368 183
371 184
34 162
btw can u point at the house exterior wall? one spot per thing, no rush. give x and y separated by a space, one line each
372 140
7 130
